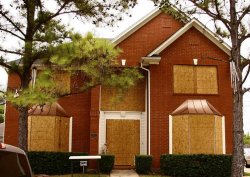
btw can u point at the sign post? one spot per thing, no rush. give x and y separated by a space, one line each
83 164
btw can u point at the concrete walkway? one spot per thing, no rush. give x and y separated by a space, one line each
123 173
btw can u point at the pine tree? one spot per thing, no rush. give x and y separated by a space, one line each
40 33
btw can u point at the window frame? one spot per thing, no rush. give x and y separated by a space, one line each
195 81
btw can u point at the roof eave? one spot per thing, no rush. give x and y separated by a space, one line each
136 26
154 60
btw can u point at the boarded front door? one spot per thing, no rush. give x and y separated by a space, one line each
123 140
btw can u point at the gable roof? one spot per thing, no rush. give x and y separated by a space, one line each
136 26
200 27
193 23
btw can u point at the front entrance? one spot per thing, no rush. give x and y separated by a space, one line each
123 140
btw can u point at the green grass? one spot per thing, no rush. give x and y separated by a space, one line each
81 175
152 176
246 174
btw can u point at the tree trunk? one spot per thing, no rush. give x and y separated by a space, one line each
238 149
23 127
25 78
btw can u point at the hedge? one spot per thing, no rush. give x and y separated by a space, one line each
143 163
196 165
54 162
107 163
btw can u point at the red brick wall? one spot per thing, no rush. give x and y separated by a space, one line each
94 116
85 107
94 123
11 116
11 125
147 38
163 101
77 106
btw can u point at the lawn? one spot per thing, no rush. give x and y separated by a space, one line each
101 175
153 176
81 175
246 174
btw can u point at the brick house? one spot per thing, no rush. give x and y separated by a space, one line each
183 104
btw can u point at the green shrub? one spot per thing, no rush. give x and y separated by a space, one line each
1 118
196 165
1 113
1 109
54 162
107 163
143 163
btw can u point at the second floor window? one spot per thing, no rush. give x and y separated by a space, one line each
195 79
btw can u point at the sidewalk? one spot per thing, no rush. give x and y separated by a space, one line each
123 173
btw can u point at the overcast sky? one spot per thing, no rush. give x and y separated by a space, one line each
142 9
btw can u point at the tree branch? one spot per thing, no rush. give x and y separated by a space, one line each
11 22
5 65
243 38
10 32
245 78
39 24
213 15
244 63
245 90
247 10
11 52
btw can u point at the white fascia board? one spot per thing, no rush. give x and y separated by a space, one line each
212 36
200 27
170 40
136 26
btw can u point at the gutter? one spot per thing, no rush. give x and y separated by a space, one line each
148 105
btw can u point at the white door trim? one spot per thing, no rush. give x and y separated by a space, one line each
123 115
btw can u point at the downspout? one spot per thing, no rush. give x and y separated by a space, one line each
100 118
148 105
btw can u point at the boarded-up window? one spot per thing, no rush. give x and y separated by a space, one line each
132 100
195 79
183 79
62 81
207 80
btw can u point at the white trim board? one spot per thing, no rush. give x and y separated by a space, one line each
136 26
170 134
200 27
223 135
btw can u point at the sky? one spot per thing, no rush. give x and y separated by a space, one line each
143 8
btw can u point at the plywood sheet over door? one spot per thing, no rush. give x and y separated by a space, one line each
123 140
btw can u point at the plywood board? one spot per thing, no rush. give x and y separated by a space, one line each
62 82
218 135
183 79
64 135
123 140
132 99
180 134
197 134
207 80
201 134
48 133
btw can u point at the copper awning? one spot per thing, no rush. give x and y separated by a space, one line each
53 109
196 107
